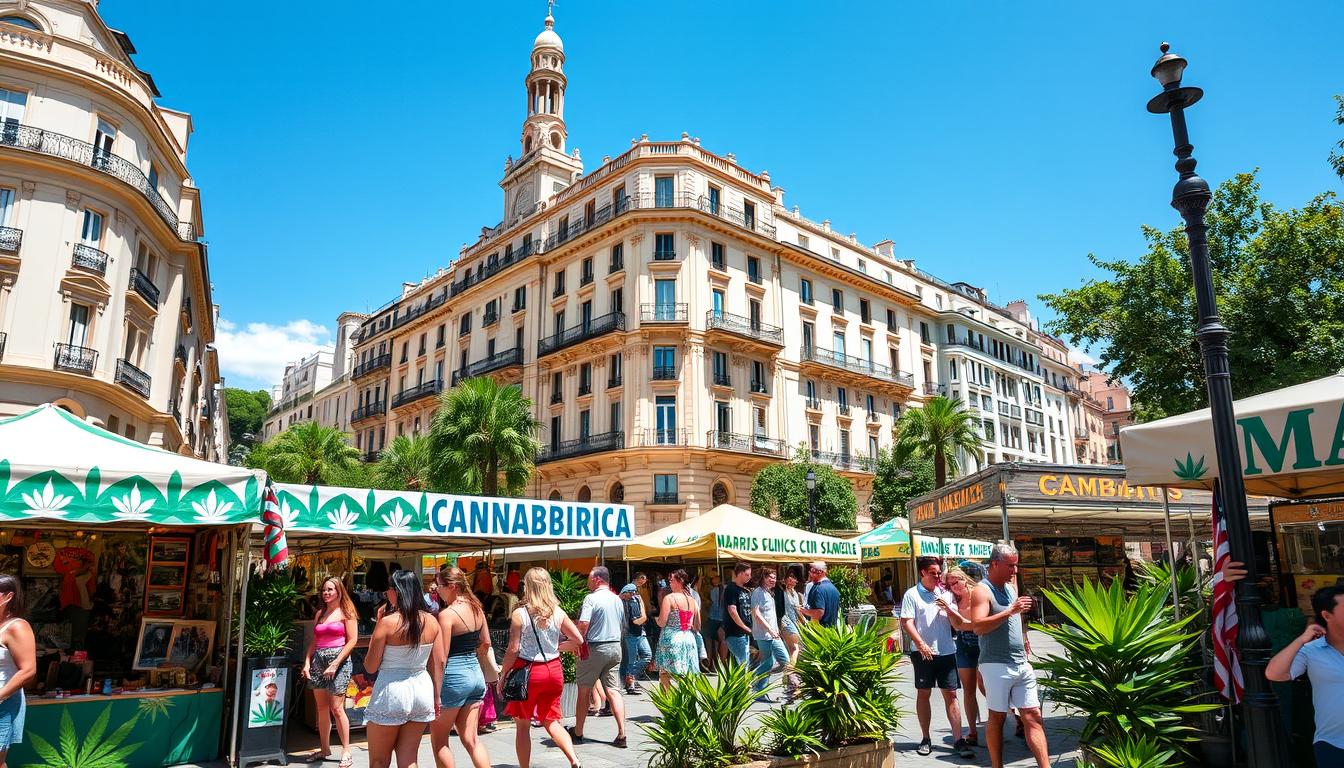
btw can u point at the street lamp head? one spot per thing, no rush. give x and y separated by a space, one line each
811 480
1168 71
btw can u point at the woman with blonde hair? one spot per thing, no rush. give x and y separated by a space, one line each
18 663
466 642
534 643
327 666
961 585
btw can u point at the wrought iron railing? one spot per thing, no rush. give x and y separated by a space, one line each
565 449
930 388
10 239
428 389
141 284
744 326
613 381
664 372
419 310
373 364
495 362
666 497
723 380
32 139
846 461
584 223
557 397
758 388
730 441
135 379
663 313
857 365
613 321
76 359
89 259
814 403
650 438
369 410
665 254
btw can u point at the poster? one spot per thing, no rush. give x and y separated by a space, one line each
156 638
267 706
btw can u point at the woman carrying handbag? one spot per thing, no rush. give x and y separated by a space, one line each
534 679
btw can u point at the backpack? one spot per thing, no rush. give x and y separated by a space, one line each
632 610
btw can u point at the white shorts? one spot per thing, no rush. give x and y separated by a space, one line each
1009 686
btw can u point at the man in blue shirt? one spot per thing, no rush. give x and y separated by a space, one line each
823 599
1319 653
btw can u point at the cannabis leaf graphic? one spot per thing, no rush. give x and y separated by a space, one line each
132 506
343 519
1190 469
46 502
213 509
266 713
88 750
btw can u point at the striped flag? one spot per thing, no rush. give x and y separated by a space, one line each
277 549
1226 667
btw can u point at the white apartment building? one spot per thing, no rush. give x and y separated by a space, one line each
105 296
317 387
678 328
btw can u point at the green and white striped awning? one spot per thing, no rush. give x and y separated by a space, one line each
55 466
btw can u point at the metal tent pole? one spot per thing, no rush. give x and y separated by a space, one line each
1171 570
238 660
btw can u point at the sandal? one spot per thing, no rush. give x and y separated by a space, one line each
346 761
317 757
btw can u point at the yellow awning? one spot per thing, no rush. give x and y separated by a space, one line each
731 532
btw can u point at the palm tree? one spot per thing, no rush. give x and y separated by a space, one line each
941 430
307 453
483 434
404 465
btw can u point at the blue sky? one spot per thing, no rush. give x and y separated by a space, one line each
342 150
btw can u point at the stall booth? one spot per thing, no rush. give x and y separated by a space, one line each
123 551
361 535
1068 522
885 551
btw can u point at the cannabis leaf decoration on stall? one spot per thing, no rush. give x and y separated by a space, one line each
266 713
88 750
1190 469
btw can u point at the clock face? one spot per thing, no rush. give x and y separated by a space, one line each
522 201
41 554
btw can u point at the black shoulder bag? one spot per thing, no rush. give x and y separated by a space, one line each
515 682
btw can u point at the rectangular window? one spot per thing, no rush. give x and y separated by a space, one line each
665 415
758 423
438 338
714 195
865 312
924 335
423 338
617 257
838 344
92 232
555 433
489 347
723 420
663 196
749 214
952 370
438 370
718 303
717 259
754 269
586 314
758 376
6 203
585 424
872 447
665 300
615 363
664 363
12 104
838 300
844 442
518 338
803 241
586 273
559 322
78 331
618 198
618 300
154 177
863 266
869 404
842 397
805 290
811 390
616 424
891 319
664 489
463 326
808 333
720 366
520 298
664 246
559 283
814 438
585 378
557 387
866 350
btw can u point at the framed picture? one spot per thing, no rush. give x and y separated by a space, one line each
167 575
174 644
163 602
169 549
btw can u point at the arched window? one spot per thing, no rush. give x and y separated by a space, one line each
584 494
20 21
618 493
527 144
555 496
555 140
719 494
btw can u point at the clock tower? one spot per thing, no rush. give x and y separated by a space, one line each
544 167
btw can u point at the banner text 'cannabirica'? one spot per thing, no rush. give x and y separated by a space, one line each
462 516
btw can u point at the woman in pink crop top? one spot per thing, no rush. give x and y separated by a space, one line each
327 667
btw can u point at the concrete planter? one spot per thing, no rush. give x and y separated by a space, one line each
875 755
569 696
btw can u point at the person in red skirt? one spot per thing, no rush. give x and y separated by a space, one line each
534 640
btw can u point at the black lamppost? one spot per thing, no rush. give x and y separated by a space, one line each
811 500
1264 730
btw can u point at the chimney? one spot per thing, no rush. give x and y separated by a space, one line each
886 248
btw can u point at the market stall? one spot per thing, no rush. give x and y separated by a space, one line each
727 532
123 551
361 535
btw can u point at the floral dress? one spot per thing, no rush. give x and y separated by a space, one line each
679 645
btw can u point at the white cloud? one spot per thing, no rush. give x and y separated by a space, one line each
1077 356
255 355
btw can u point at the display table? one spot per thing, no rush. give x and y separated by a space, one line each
165 727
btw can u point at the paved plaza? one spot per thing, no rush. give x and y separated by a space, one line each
596 754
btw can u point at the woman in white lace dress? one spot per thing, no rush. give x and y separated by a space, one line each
408 659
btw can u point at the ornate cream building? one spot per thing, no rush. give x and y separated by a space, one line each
678 328
105 300
318 387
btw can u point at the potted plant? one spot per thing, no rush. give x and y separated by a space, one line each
1126 666
273 600
701 720
570 590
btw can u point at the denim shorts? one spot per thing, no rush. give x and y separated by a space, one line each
11 720
463 682
968 651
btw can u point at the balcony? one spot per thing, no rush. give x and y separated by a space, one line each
587 277
559 291
813 404
142 285
744 327
1035 418
856 365
758 388
664 373
754 278
617 264
723 380
758 444
75 359
874 417
599 217
407 396
666 497
568 449
506 359
557 397
585 388
614 321
32 139
930 388
665 254
748 221
844 461
10 239
419 311
487 320
368 411
135 379
663 313
843 408
372 364
89 259
614 381
1082 433
659 438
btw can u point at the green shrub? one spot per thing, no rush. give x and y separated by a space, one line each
1132 752
792 732
845 677
849 582
272 607
700 722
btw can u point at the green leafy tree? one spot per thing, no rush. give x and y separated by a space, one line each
779 491
900 477
404 465
1279 279
247 412
940 431
306 453
1337 158
483 439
